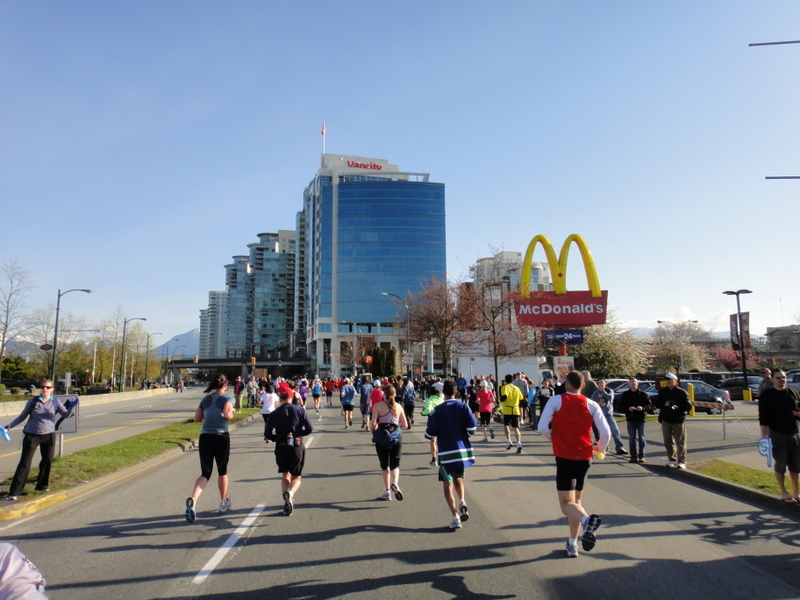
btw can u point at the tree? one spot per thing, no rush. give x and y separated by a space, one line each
732 359
672 347
437 314
489 302
15 284
610 350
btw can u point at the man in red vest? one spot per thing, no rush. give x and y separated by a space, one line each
567 421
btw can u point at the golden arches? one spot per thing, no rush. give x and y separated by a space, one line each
558 268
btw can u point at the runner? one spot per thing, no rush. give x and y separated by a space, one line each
286 426
567 421
486 406
348 393
215 410
510 397
388 415
434 400
452 424
316 392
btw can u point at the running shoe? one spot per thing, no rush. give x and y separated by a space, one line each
682 466
491 433
398 494
519 449
387 495
508 447
224 505
572 550
672 463
432 463
190 514
350 422
589 540
288 505
455 522
462 508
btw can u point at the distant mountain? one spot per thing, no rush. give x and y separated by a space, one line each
187 344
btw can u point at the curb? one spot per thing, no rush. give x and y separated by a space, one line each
29 507
767 501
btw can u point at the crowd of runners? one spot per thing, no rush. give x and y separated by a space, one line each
453 409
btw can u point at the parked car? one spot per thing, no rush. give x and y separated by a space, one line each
623 386
703 392
793 380
733 386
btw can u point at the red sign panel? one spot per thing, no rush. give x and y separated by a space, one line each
548 309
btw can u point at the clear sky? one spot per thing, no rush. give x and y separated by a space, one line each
143 144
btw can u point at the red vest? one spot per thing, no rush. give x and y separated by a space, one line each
572 429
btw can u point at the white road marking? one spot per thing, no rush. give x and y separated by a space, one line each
229 543
309 441
96 415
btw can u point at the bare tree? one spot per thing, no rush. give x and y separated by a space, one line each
438 314
673 349
610 350
15 284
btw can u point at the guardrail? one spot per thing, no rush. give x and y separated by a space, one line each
12 409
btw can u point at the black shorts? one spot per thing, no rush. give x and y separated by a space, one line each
290 459
214 447
785 451
571 474
389 458
511 420
486 418
347 407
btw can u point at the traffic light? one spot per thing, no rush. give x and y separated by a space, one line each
196 358
252 360
280 363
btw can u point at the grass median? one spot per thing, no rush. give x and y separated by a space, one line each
755 479
92 463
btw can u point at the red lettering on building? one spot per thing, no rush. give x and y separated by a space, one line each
356 165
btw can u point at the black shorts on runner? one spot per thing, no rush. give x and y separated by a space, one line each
348 407
486 418
571 474
290 459
214 447
511 420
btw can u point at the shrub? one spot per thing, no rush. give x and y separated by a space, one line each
15 391
2 389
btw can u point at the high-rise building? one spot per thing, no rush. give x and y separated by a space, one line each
254 316
214 326
366 228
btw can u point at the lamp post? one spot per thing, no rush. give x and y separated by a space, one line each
680 339
147 353
408 332
172 359
122 351
740 333
353 325
55 330
164 355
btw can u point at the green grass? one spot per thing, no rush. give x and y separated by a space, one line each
755 479
92 463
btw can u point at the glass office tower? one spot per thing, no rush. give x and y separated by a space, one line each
369 229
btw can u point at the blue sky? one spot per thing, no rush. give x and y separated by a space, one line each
143 144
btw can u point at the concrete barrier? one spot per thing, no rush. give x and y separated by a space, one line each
12 409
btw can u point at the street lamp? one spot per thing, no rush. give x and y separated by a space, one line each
172 360
408 332
147 353
353 325
55 331
122 351
740 333
680 339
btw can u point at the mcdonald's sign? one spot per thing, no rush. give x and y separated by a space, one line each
561 308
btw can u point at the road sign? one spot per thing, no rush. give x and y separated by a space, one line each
563 336
45 347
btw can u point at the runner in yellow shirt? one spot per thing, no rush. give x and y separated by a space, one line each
510 395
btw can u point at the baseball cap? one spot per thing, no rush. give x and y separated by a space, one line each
438 386
671 376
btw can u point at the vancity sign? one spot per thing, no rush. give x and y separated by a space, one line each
560 308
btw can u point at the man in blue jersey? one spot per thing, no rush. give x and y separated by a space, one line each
452 424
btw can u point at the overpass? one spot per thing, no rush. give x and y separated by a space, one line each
274 366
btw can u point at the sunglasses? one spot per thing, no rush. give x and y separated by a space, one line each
47 387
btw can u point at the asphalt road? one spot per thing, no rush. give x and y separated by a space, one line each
105 423
661 537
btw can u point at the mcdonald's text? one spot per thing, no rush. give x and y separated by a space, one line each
548 309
